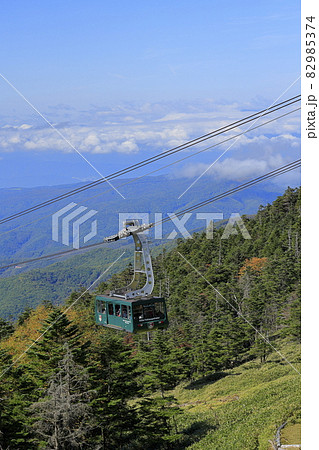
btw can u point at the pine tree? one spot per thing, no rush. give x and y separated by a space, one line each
156 427
261 347
17 390
63 418
24 315
5 361
159 364
114 376
6 328
57 330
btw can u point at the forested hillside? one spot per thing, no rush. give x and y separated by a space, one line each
55 282
31 235
223 375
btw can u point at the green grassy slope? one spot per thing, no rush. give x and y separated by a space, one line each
244 408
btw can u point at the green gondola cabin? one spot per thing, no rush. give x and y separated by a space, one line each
132 315
133 308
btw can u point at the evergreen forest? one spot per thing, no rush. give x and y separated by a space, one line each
223 375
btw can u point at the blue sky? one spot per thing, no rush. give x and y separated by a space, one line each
125 80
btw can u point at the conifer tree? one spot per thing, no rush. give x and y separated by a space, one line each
156 427
159 365
63 418
114 376
6 328
161 370
57 330
261 347
17 390
24 315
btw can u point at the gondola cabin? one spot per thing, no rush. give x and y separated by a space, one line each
132 315
133 308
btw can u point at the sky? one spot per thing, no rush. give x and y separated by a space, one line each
122 81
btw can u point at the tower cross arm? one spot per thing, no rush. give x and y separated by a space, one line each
128 230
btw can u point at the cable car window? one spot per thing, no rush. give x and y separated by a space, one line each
129 312
111 309
101 307
159 310
124 312
137 312
148 312
118 310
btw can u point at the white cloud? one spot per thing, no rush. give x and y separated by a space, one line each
131 128
128 146
91 139
233 169
248 157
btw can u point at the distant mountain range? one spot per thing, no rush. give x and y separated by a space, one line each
31 235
